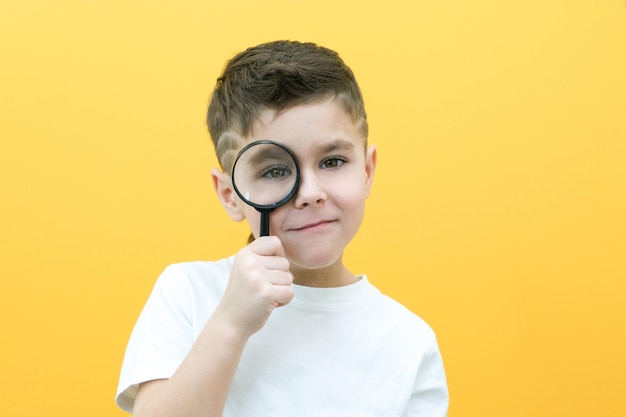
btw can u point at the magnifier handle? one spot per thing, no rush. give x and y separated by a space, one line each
265 223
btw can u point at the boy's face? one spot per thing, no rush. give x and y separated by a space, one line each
336 177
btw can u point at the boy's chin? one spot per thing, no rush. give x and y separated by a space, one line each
314 260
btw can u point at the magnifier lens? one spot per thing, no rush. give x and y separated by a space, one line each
265 174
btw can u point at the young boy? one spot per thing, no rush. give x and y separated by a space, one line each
283 328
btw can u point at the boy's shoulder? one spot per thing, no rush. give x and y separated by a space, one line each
404 316
196 276
200 269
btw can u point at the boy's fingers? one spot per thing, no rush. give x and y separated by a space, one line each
267 246
283 295
281 278
275 263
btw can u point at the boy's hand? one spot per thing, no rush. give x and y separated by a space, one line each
259 282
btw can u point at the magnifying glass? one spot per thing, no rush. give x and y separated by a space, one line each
265 176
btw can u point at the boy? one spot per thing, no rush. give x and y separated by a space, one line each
283 328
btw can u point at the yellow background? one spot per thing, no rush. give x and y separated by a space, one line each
498 212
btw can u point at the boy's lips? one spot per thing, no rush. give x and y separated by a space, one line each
312 225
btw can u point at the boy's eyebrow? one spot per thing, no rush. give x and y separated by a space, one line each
339 144
265 153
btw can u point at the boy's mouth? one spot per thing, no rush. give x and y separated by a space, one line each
313 225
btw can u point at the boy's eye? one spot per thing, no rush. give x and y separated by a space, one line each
275 172
333 163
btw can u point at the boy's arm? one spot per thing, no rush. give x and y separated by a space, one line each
260 281
200 385
430 392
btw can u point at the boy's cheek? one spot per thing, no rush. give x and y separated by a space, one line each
253 218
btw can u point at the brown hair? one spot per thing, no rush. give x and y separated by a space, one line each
277 75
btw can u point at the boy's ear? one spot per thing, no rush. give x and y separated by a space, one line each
226 194
370 167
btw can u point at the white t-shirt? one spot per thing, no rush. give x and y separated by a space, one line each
347 352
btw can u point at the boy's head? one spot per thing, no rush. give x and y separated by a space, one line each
277 76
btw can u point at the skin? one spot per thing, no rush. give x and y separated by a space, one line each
309 235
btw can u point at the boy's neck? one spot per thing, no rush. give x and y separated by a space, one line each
336 275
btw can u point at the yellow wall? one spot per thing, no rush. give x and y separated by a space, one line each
498 213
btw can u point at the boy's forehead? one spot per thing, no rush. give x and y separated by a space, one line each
291 122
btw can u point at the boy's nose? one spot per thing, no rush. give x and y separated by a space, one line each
311 190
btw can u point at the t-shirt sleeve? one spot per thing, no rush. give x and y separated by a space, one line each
429 397
161 338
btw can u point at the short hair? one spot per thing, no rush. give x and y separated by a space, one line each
277 75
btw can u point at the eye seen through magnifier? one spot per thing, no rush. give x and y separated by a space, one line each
265 175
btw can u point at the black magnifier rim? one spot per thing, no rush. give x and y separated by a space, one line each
279 203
